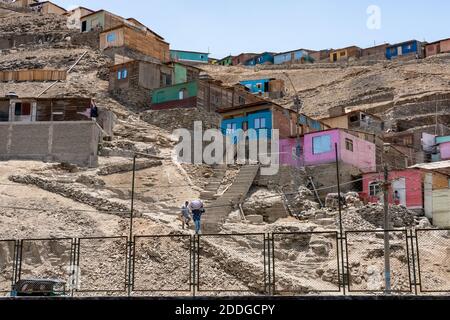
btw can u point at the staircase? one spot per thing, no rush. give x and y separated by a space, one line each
214 183
218 210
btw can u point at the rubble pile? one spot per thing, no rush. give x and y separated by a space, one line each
182 118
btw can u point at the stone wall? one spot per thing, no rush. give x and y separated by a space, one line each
72 142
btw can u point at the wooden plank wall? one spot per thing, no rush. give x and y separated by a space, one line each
146 43
33 75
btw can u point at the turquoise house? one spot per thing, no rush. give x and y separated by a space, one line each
189 56
258 121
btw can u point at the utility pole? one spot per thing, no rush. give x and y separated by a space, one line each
298 103
341 228
387 251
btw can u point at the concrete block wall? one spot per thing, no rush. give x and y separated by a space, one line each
73 142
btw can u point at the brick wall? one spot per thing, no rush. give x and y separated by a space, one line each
73 142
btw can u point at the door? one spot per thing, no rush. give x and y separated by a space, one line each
84 26
335 57
400 51
399 190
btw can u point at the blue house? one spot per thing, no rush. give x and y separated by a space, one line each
408 48
189 56
257 86
292 56
264 58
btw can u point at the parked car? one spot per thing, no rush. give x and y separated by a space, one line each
39 288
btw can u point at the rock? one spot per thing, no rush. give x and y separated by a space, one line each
255 219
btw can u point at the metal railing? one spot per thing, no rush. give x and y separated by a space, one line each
294 263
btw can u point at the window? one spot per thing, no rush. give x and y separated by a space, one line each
259 85
122 74
342 53
241 100
374 188
349 144
408 140
260 123
231 128
22 109
111 37
182 94
322 144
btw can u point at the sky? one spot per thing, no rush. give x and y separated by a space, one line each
224 27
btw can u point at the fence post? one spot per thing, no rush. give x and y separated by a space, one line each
413 259
129 280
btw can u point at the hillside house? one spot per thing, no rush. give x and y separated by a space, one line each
408 49
272 88
264 58
437 47
242 58
19 3
266 115
100 20
356 120
345 54
374 53
321 55
139 75
48 7
415 188
420 141
49 129
442 151
183 72
436 192
189 56
74 17
294 56
145 42
208 95
227 61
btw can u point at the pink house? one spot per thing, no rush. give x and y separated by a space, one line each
406 188
319 148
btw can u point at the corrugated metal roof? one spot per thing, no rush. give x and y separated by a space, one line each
433 165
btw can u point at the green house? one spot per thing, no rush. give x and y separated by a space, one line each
227 61
176 92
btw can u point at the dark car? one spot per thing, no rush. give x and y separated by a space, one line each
39 288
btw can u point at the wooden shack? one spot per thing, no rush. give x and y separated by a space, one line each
146 42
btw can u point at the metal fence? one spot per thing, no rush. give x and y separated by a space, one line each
297 263
232 263
305 263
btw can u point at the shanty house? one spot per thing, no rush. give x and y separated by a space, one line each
270 87
374 53
242 58
100 20
145 42
49 129
295 56
434 48
356 120
345 54
264 58
227 61
208 95
436 191
418 188
189 56
74 17
410 49
266 115
183 73
321 55
48 7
